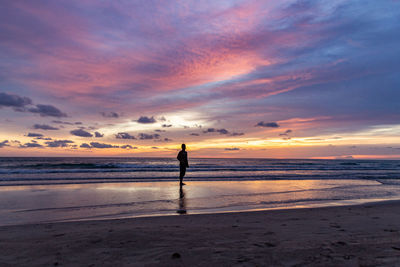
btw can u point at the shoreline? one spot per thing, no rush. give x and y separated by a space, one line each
360 202
365 234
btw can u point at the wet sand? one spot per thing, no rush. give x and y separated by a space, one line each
364 235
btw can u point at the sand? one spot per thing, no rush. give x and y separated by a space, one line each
364 235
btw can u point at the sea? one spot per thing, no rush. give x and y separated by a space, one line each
54 189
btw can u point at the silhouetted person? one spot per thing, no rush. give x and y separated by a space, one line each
183 163
182 202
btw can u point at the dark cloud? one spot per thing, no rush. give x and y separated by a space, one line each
34 135
102 145
14 101
285 133
128 147
163 140
44 127
194 134
210 130
97 134
232 149
144 119
267 124
20 104
144 136
78 123
110 114
30 145
154 147
223 131
237 134
81 133
124 136
59 143
84 145
213 130
4 143
166 125
47 111
159 131
43 138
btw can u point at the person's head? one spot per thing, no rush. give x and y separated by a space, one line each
183 147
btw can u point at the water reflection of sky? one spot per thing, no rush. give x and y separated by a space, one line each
29 204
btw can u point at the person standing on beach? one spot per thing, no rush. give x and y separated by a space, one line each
183 163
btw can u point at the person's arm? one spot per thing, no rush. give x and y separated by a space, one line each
179 157
187 161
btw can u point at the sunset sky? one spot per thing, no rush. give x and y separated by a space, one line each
266 79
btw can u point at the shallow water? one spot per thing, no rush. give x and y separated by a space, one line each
52 203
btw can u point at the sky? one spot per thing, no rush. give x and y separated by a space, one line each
253 79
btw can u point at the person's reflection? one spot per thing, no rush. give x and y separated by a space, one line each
182 201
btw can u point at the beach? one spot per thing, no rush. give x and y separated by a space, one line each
359 235
251 212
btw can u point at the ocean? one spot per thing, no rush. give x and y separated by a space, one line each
23 171
36 190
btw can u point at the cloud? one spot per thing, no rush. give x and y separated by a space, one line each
14 101
154 147
195 134
20 104
31 145
232 149
267 124
62 122
164 140
237 134
4 143
102 145
59 143
97 134
223 131
128 147
43 138
285 133
84 145
44 127
47 111
124 136
144 119
166 125
159 131
110 114
34 135
81 133
324 52
144 136
213 130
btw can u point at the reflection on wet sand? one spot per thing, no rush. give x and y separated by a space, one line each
182 201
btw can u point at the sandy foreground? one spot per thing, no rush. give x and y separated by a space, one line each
365 235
